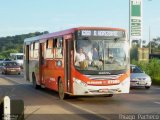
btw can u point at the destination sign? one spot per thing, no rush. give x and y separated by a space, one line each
101 33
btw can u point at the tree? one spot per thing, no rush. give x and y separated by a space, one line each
155 45
134 53
6 54
16 42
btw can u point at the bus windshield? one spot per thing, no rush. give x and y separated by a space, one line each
101 56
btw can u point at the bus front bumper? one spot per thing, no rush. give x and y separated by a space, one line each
81 88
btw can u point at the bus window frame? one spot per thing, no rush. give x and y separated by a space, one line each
60 48
35 50
49 49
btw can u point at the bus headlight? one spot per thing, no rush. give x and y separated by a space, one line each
80 82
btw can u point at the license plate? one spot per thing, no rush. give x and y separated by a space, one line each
142 82
13 70
103 90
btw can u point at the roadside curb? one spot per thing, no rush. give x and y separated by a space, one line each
8 79
17 81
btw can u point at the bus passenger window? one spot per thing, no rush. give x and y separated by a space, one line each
58 48
49 49
31 50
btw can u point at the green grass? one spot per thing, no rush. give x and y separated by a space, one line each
156 82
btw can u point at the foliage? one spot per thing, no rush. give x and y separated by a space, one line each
6 54
134 53
152 69
1 56
155 45
15 43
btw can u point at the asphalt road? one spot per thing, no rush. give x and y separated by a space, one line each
45 105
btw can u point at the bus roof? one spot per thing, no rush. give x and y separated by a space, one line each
65 32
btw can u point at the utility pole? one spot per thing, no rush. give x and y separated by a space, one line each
150 43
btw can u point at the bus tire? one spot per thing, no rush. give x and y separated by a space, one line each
61 93
34 82
109 95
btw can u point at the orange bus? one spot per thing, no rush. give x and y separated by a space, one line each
79 61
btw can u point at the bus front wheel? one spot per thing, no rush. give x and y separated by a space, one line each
109 95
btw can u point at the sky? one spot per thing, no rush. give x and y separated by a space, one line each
26 16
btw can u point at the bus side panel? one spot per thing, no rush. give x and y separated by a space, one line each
34 70
48 74
51 70
52 73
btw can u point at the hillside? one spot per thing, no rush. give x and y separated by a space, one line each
15 43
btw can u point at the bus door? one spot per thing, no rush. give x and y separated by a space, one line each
68 47
41 63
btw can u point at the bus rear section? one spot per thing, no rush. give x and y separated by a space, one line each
79 61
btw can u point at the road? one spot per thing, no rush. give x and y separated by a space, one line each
45 104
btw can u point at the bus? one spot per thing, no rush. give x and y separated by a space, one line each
53 61
17 57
